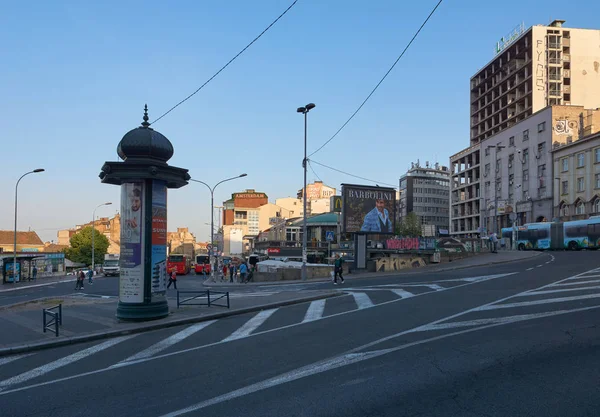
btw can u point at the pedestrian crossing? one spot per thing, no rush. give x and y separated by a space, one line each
130 349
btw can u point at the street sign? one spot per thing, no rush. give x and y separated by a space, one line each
329 236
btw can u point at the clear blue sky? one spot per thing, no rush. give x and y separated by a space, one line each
76 75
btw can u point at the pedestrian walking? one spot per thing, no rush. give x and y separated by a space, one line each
243 271
34 272
91 276
231 272
173 279
338 269
251 273
224 271
80 277
494 242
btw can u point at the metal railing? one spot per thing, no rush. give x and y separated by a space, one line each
200 296
55 318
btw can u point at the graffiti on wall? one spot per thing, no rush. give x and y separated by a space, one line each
540 70
565 127
398 262
411 243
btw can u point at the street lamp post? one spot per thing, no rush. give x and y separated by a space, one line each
35 171
94 233
304 110
212 203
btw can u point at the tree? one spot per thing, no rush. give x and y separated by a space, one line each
81 246
410 226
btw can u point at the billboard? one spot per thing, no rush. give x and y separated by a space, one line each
131 282
368 209
159 237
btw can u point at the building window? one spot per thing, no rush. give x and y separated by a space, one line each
597 155
525 156
525 175
565 187
580 160
580 208
597 178
526 134
498 164
511 141
565 164
580 185
487 151
487 169
597 205
541 127
564 210
541 148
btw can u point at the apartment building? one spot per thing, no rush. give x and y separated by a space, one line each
425 192
577 178
533 69
241 220
543 66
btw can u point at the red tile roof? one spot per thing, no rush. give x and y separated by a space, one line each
23 238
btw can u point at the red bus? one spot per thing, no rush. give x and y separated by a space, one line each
180 262
202 264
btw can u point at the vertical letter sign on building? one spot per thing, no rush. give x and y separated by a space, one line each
132 230
159 238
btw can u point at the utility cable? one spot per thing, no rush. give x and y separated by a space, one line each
227 64
380 81
352 175
313 171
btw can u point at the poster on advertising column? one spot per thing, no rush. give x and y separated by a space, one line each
131 282
159 238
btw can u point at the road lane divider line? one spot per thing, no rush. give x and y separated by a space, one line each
59 363
9 359
402 293
595 287
169 341
593 281
335 362
538 302
250 325
591 276
362 300
529 269
315 311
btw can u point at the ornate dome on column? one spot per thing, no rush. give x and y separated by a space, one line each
145 142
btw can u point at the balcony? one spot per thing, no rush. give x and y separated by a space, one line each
555 93
555 77
555 61
554 45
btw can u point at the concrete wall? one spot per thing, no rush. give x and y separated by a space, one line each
289 274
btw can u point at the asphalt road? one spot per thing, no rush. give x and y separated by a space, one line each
518 339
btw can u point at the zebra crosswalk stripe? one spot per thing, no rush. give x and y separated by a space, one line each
402 293
9 359
315 311
362 300
250 325
44 369
169 341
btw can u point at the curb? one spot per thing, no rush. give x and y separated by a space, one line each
424 270
157 326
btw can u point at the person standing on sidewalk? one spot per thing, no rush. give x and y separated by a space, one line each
34 272
338 269
80 278
173 279
231 272
91 276
243 271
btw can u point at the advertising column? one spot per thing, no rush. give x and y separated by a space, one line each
131 282
159 240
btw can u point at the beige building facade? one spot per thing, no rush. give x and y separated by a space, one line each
577 178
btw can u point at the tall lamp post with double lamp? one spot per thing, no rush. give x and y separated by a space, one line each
35 171
94 233
212 204
304 110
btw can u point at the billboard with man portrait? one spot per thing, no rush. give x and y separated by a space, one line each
368 209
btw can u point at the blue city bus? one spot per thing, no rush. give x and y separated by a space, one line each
531 236
582 234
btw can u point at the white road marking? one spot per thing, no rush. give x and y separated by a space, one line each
250 325
590 276
402 293
9 359
362 300
315 311
539 266
528 269
169 341
576 283
561 290
44 369
38 285
538 302
355 356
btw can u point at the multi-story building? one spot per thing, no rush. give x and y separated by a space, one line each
543 66
533 69
241 220
181 242
517 163
108 226
577 178
425 192
292 205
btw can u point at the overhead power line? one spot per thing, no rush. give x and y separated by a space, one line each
313 171
229 62
352 175
380 81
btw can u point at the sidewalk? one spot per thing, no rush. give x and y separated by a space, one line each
480 260
87 317
39 282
